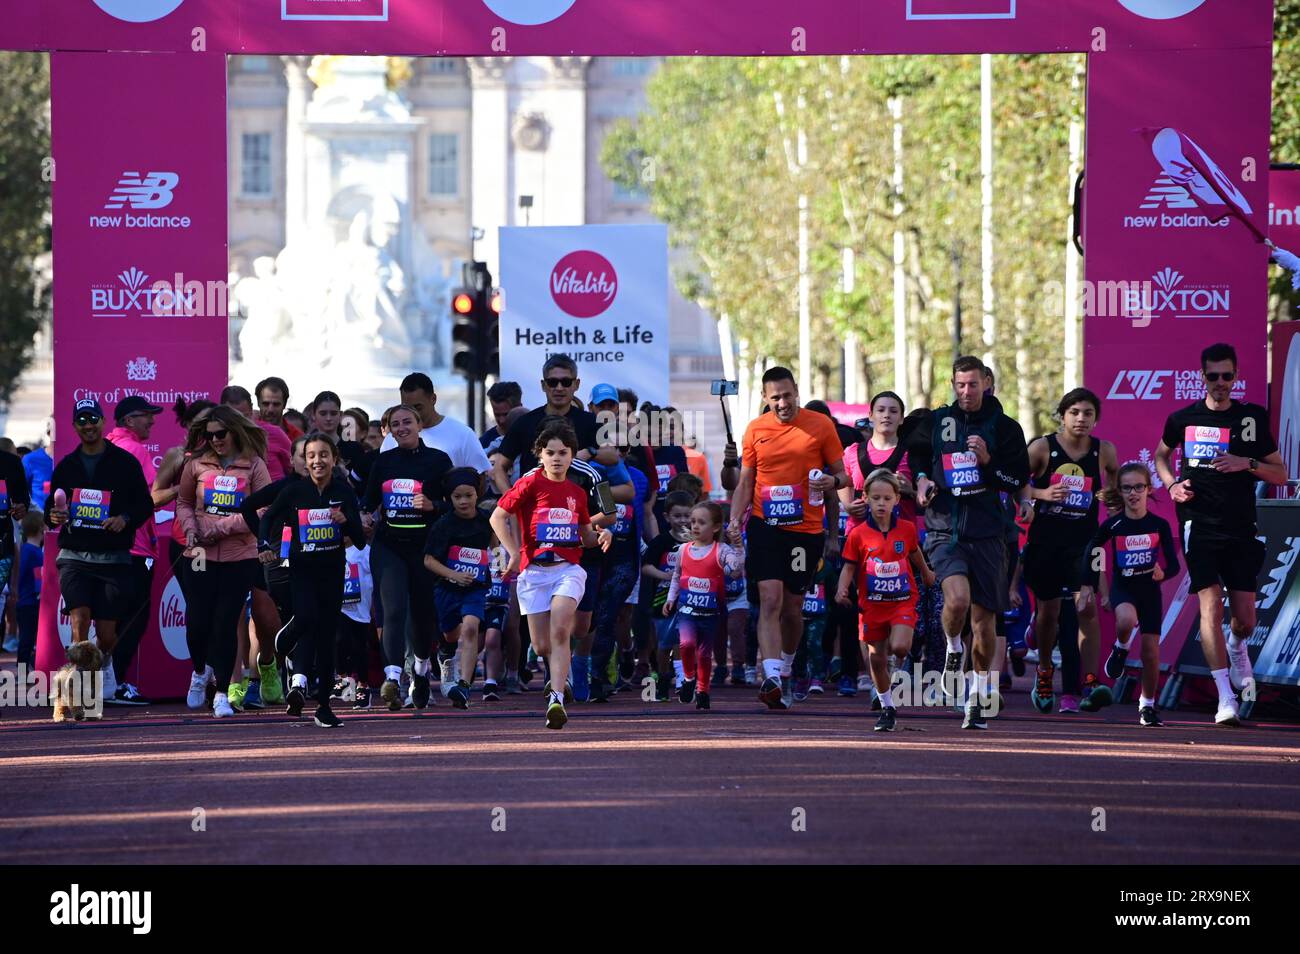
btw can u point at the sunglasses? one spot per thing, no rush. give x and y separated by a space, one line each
220 435
1213 376
86 419
1132 488
559 382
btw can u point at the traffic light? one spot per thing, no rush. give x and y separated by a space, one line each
475 308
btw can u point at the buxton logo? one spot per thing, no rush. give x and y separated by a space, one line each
138 11
529 12
1161 9
1168 292
584 284
132 296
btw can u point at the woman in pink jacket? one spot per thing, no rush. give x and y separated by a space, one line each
225 465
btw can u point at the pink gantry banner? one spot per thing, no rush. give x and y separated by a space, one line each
1284 208
140 262
637 27
1169 269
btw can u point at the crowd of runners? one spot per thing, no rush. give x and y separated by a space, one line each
333 561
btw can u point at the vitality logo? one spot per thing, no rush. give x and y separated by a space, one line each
529 12
138 11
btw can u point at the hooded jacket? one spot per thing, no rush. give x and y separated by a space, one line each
203 508
967 502
146 538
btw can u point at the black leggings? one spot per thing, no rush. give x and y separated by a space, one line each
214 599
137 617
353 647
406 594
317 595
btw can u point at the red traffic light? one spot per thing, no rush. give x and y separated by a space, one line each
462 304
498 301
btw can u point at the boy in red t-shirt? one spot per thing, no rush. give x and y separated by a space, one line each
883 553
552 511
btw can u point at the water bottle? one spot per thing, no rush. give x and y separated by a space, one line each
814 495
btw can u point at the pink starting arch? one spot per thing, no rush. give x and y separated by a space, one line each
139 115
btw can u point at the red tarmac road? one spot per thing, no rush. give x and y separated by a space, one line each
638 782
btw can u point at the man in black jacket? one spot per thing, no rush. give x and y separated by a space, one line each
964 456
98 499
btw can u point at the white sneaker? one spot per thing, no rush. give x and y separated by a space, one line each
751 675
447 675
1228 713
865 684
110 681
1240 672
221 708
197 696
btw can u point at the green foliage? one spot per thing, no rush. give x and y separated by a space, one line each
24 208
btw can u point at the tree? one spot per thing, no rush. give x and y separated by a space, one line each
24 209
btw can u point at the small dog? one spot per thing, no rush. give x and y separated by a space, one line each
73 684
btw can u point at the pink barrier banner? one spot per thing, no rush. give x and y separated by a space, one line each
1284 400
1284 209
140 266
1169 271
634 27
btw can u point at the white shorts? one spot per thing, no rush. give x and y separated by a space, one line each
538 584
635 594
741 602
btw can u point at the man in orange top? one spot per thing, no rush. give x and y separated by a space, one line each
698 464
787 535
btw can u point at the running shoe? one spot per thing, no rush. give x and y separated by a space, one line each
235 695
751 675
600 691
876 704
800 689
1041 694
951 676
221 708
272 688
1115 661
848 688
447 675
363 697
512 686
1068 704
253 696
815 688
1004 682
128 695
738 676
888 719
555 714
197 697
770 693
294 701
420 690
1017 656
1228 713
686 691
326 719
1096 695
568 691
1147 717
974 716
864 682
836 667
787 696
1240 672
391 693
581 678
490 692
286 639
459 695
701 700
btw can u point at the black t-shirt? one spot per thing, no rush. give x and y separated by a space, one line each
1133 548
518 443
461 544
90 462
1222 504
13 490
655 592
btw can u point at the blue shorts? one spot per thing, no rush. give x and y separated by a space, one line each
666 631
454 603
495 616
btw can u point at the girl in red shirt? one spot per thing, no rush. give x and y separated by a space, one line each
884 555
556 525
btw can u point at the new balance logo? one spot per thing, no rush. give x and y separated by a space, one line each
153 191
1166 193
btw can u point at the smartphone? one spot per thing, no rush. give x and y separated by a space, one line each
606 497
724 388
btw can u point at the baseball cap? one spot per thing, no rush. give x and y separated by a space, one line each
604 392
133 405
87 407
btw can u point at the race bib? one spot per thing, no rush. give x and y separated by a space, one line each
1135 553
222 494
398 502
622 521
1078 501
286 543
887 582
1202 444
499 592
317 533
814 601
735 586
844 521
470 560
88 508
782 505
699 593
961 473
555 527
351 584
666 473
